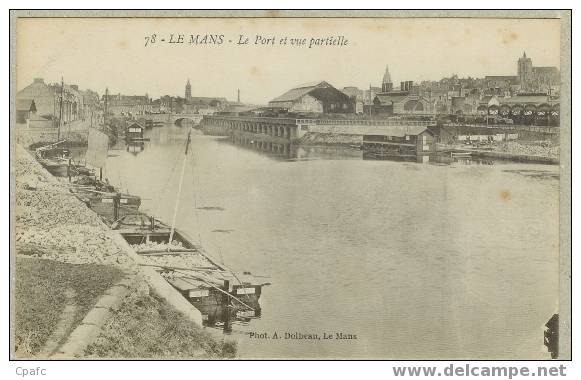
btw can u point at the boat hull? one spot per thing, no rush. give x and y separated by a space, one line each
220 295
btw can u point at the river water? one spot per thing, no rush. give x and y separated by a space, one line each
415 260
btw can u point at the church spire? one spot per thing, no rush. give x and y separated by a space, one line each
386 84
386 75
188 90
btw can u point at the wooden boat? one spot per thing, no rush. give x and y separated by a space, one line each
109 203
55 159
461 154
220 294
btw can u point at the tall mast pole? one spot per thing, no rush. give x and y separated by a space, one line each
175 211
106 105
58 136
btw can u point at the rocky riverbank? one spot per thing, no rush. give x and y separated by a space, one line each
531 148
53 228
51 223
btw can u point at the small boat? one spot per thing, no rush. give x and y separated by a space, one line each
55 159
104 199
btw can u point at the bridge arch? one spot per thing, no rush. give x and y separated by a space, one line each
187 121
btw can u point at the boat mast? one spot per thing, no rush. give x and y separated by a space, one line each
175 211
58 136
106 106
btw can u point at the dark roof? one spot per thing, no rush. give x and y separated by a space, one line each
528 99
391 98
501 77
205 100
546 69
317 90
329 94
25 105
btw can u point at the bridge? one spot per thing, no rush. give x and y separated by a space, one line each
284 130
173 118
273 129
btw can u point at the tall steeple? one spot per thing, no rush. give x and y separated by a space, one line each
386 84
188 90
525 72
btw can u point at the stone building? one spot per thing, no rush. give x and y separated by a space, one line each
537 78
47 99
25 109
128 104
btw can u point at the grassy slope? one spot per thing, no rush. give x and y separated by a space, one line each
40 287
147 327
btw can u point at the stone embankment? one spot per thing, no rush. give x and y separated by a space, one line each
536 148
535 151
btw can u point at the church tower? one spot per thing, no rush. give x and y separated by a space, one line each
386 84
525 71
188 90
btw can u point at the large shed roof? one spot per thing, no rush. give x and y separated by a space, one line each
300 91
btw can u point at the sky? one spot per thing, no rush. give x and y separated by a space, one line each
111 53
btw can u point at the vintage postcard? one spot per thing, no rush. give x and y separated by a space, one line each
290 185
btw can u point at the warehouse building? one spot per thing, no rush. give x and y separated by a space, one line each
318 97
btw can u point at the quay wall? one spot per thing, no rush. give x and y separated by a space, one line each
511 156
449 133
76 132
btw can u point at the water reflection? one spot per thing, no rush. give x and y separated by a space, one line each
294 152
135 147
226 316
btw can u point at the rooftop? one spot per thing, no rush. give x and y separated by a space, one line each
300 91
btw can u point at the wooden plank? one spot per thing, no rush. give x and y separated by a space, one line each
175 251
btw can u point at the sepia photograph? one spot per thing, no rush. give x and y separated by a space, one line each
295 185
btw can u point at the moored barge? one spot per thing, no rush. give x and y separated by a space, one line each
220 294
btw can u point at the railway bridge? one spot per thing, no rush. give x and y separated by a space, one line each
274 129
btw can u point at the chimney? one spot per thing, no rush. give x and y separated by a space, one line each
238 95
